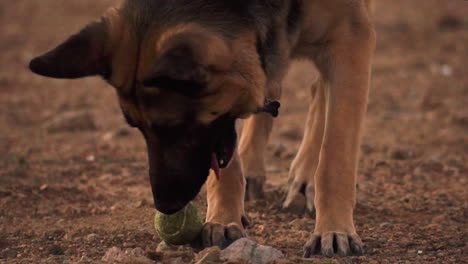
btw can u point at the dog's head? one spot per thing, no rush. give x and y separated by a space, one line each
183 85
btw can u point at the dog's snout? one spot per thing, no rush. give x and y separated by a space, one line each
177 172
169 207
170 197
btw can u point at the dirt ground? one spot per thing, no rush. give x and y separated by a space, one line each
67 197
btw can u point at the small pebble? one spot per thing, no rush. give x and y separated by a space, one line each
386 225
155 256
251 252
91 237
71 122
163 247
56 250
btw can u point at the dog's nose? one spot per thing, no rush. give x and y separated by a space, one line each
169 208
171 198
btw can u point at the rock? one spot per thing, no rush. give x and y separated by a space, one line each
113 255
440 219
135 252
178 260
155 256
107 137
117 207
9 253
116 255
386 225
248 250
260 229
210 255
120 133
55 250
90 158
91 237
54 234
401 154
299 223
460 119
140 204
446 70
163 247
137 260
71 122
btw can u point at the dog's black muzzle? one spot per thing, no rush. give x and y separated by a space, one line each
180 160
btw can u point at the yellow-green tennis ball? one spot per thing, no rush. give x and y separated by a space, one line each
180 228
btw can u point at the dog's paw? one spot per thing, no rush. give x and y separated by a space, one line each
221 235
254 189
300 198
332 243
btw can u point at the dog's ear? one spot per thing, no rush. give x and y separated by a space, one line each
83 54
179 69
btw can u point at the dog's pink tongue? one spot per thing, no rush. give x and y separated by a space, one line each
215 165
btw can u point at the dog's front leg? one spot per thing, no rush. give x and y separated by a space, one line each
252 148
346 66
225 207
306 162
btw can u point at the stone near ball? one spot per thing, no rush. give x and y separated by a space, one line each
180 228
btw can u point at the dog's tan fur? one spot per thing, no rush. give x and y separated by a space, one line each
337 35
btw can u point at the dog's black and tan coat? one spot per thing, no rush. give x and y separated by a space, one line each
186 70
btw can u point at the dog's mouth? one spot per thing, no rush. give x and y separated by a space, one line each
221 157
224 144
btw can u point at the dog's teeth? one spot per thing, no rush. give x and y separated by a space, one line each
221 162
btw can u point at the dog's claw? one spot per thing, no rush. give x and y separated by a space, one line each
356 245
221 235
233 233
327 245
334 242
254 190
300 191
270 107
342 245
293 190
311 247
245 221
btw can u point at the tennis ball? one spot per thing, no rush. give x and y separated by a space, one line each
180 228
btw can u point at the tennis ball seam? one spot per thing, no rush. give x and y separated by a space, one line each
181 226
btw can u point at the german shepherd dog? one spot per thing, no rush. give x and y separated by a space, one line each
186 70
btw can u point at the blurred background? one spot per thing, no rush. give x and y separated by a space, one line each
73 176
